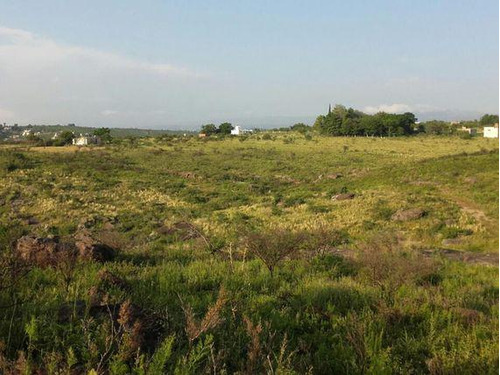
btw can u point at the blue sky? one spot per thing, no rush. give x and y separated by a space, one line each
178 64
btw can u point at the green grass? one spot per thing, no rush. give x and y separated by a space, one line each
318 312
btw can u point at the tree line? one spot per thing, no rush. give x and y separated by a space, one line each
224 128
342 121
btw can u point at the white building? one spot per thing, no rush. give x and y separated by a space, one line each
471 131
56 135
26 133
490 131
238 130
85 140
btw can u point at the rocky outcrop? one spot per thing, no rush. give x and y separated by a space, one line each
343 196
50 251
406 215
44 251
91 249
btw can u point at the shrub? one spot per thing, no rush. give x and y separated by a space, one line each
274 246
386 265
266 137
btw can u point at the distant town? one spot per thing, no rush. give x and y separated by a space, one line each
339 121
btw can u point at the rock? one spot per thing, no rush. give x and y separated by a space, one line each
411 214
31 221
44 251
334 176
471 180
343 197
183 230
90 249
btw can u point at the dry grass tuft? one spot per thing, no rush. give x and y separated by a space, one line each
212 318
254 349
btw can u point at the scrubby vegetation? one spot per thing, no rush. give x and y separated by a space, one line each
231 256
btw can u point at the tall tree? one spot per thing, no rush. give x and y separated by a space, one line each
104 134
208 129
225 128
488 119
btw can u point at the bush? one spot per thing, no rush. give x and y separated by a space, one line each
274 246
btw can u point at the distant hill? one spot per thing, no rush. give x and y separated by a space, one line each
115 132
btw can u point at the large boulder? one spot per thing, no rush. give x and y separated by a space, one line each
44 251
406 215
50 251
90 248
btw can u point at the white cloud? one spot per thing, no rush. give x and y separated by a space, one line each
16 35
44 81
20 46
399 108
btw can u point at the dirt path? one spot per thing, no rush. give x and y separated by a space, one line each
472 209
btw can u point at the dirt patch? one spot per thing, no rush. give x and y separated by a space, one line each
464 256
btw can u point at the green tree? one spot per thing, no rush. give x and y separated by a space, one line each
225 128
372 125
65 138
208 129
488 119
104 134
437 127
319 123
300 127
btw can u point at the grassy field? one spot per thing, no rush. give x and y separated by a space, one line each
232 256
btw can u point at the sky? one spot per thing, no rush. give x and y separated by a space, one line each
180 64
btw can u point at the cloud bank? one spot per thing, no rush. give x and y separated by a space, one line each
45 81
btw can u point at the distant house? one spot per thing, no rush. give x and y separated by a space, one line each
56 135
202 135
490 131
85 140
26 133
238 130
471 131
